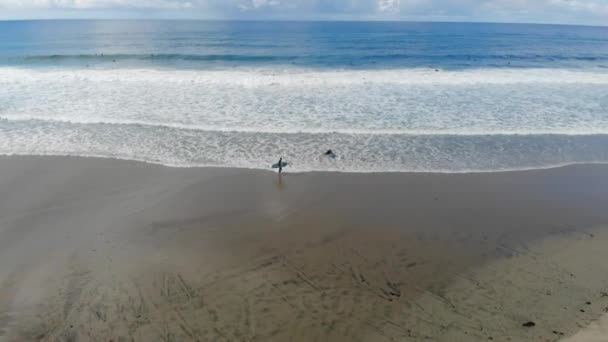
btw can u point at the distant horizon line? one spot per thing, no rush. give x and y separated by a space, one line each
308 20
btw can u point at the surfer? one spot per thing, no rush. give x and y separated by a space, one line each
329 153
280 165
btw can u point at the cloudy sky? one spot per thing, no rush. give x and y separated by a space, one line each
590 12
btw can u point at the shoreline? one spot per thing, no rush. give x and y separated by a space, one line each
287 170
101 249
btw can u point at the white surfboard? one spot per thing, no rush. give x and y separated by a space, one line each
276 166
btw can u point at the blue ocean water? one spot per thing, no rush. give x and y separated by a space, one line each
385 96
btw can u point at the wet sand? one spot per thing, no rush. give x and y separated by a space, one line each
105 250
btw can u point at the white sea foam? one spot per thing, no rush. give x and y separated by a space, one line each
350 131
382 120
305 77
567 105
356 153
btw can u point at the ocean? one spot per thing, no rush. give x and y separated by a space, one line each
384 96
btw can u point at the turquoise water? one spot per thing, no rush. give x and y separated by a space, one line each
383 96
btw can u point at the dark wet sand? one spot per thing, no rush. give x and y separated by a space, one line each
106 250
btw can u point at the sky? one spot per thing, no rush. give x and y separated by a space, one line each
584 12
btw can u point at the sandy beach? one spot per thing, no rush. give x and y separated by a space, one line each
108 250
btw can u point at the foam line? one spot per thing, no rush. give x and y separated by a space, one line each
304 77
243 129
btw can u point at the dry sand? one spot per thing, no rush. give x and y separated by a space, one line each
596 332
105 250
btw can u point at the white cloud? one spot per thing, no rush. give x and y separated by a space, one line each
388 5
255 4
94 4
581 5
567 11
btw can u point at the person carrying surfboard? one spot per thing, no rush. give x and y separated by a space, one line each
280 165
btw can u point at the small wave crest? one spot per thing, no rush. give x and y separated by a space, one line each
288 131
361 59
306 77
89 58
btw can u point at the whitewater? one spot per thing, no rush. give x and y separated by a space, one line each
384 97
389 120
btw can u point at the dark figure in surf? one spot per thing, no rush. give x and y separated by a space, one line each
329 153
280 164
